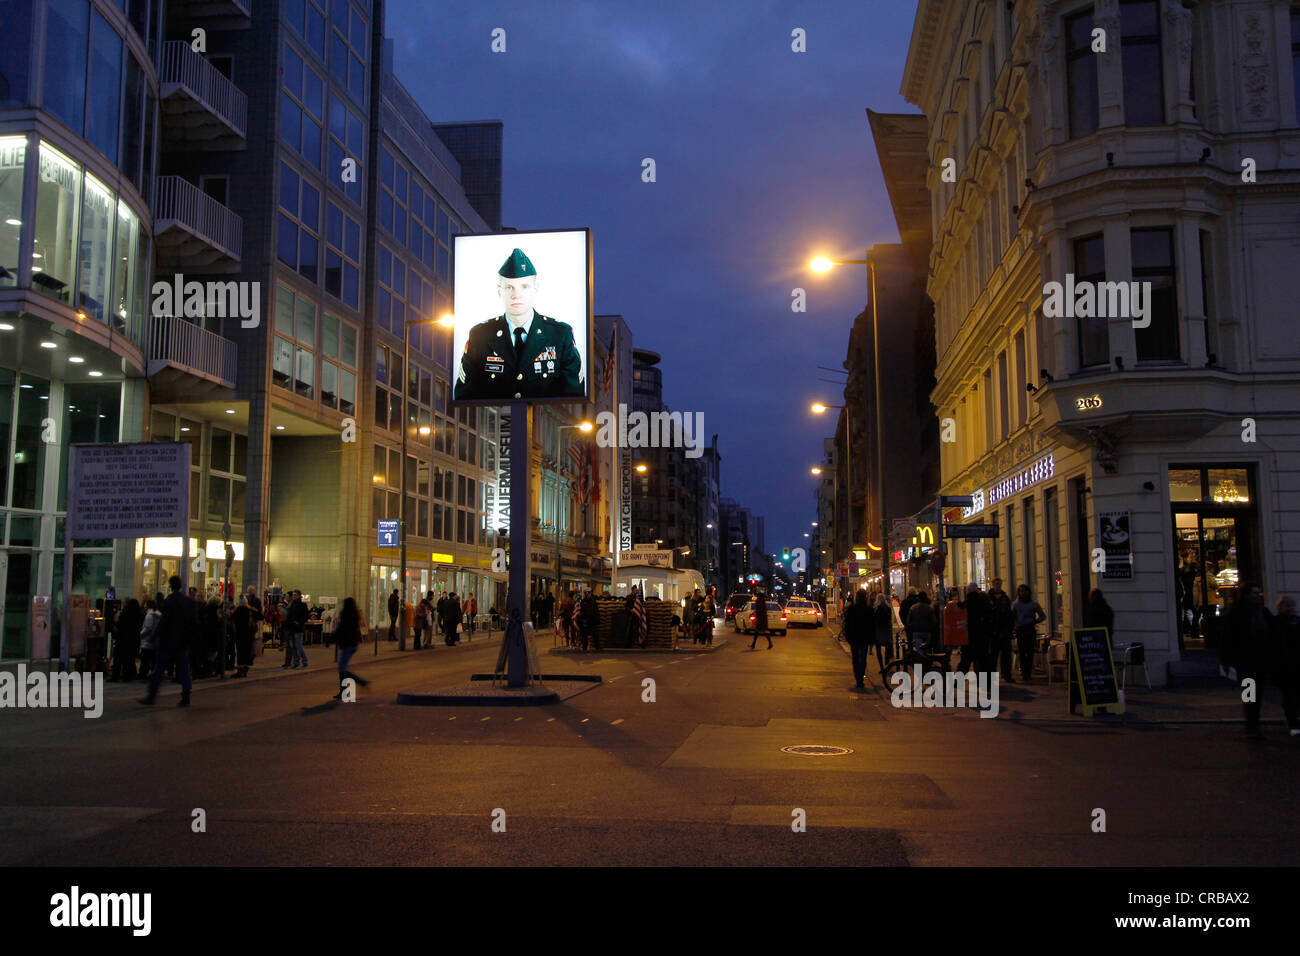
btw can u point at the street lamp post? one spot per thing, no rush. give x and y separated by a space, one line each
822 264
445 322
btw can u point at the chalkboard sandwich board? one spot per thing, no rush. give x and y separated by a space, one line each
1092 672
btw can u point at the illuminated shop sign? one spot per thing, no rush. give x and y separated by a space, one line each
13 152
1040 470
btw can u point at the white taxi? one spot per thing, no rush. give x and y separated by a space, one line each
803 611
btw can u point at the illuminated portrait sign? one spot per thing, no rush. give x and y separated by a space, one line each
523 321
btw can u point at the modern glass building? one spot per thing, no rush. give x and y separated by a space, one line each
79 123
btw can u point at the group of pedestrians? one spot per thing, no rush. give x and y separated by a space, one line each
698 613
1264 647
446 614
995 625
578 620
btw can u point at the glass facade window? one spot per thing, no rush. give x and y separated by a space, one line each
67 38
105 80
297 242
13 154
347 141
96 249
302 107
15 51
128 241
1081 75
58 203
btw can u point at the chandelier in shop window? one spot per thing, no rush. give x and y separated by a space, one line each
1226 491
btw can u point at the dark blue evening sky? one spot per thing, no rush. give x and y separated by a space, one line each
764 157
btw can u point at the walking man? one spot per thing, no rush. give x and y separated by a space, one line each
174 632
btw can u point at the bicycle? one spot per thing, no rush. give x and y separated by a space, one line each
906 657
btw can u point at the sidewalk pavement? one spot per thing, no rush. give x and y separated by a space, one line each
1039 701
268 666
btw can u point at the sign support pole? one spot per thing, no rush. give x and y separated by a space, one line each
521 433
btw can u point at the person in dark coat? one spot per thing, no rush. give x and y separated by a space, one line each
979 626
175 632
882 621
347 635
451 617
246 618
859 626
394 605
922 622
1286 660
1003 628
1097 613
760 620
589 621
904 607
1249 627
129 621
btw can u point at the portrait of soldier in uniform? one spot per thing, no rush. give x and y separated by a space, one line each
521 353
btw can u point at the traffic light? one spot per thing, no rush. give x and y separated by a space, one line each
785 554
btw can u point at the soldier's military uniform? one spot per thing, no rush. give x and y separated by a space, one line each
543 363
549 365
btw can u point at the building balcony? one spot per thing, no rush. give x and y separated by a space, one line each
187 362
201 107
192 231
214 14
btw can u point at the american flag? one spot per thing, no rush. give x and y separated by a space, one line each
609 361
594 487
638 615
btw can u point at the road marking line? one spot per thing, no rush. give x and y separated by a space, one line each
616 722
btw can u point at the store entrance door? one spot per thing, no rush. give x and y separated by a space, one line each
1215 527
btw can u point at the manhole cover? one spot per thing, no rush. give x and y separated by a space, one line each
816 750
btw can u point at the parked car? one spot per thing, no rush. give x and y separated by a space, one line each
747 618
735 603
803 611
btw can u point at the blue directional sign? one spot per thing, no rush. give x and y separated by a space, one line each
388 535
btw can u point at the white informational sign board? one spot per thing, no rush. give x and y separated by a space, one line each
138 490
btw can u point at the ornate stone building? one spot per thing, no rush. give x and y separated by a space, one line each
1097 145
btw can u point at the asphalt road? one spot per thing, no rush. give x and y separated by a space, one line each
284 776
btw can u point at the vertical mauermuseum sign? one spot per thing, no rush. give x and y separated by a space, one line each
139 490
502 516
